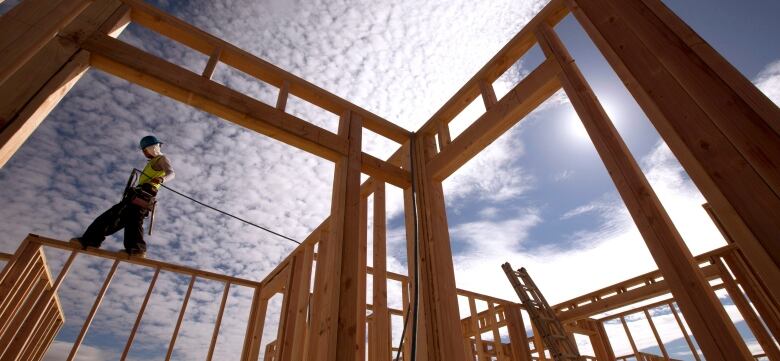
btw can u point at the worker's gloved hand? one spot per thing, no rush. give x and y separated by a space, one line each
157 180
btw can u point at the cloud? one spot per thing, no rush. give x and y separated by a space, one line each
401 60
613 243
768 81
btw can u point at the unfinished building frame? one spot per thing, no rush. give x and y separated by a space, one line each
723 130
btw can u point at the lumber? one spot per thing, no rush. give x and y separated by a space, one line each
438 296
381 337
519 102
42 80
176 29
334 315
135 65
683 99
705 315
552 13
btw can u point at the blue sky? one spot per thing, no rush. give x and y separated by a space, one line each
538 197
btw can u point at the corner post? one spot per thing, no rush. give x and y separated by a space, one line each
438 297
707 318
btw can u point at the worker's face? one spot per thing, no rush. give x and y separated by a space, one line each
149 151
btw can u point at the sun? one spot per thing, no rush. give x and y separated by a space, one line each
574 128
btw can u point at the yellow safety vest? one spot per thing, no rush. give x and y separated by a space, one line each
150 173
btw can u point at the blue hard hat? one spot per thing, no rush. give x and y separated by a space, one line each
149 140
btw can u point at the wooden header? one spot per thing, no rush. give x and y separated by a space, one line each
552 13
152 18
143 261
630 291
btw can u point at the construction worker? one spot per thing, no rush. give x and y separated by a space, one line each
135 205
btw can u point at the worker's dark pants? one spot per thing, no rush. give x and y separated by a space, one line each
123 215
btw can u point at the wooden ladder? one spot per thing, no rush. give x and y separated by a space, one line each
561 346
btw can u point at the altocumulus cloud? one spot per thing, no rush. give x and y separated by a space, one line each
401 60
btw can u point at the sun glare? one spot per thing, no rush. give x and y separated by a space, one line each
576 131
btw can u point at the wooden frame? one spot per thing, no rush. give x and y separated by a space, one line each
725 133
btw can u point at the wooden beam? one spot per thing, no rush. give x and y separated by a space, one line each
655 334
743 305
140 315
517 334
488 94
335 304
130 63
524 98
29 39
88 320
727 144
180 319
474 321
381 337
150 17
443 336
552 13
600 341
362 280
135 65
284 92
624 299
385 172
218 322
35 88
208 71
142 261
709 322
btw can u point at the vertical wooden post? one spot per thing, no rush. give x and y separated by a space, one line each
708 320
334 316
443 134
478 334
407 345
180 319
140 315
295 307
725 133
600 341
284 91
499 350
684 332
517 335
255 325
488 94
93 311
538 343
409 220
763 302
444 336
743 305
51 61
362 279
218 321
208 71
655 334
630 338
381 315
756 291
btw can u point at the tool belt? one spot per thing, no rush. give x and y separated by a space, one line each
143 196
